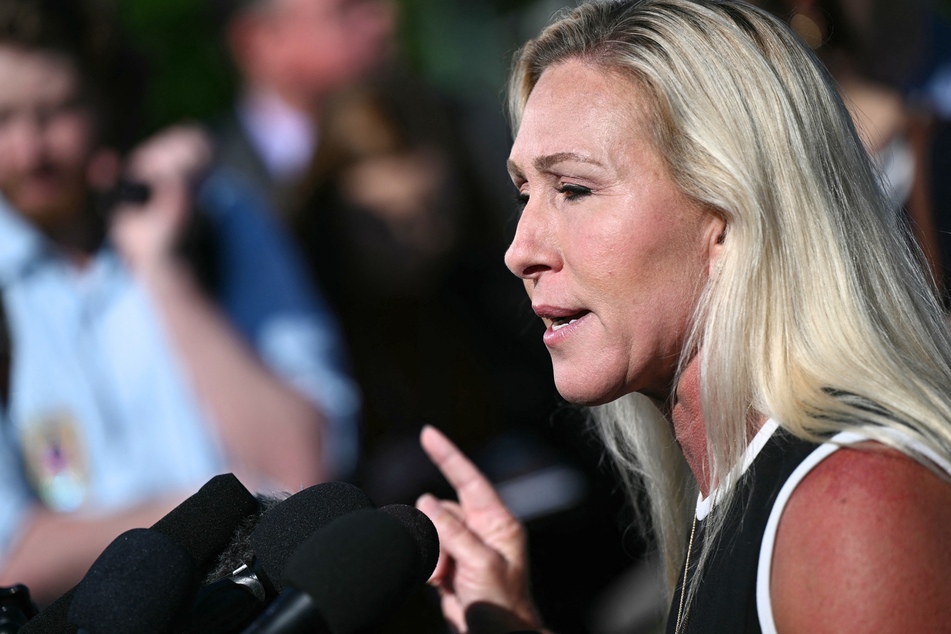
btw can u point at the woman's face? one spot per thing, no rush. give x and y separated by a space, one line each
613 256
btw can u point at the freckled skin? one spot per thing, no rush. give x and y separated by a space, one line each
864 545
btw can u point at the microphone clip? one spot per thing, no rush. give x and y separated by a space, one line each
16 608
245 576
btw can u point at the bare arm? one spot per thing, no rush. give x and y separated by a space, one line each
864 545
55 550
266 427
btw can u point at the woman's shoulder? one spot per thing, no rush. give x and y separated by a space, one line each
863 544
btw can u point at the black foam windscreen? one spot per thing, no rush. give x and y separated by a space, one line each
204 523
423 531
285 526
52 618
357 570
239 551
139 585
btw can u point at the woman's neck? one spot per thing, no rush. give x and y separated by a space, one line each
689 427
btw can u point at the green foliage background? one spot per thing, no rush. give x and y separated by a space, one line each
463 47
189 75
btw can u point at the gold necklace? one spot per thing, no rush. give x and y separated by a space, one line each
683 589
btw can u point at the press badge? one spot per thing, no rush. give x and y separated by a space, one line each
56 461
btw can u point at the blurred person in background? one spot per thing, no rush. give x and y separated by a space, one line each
291 56
126 385
881 54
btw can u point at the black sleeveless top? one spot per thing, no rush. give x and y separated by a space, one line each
725 601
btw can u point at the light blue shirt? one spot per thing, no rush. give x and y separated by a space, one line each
100 410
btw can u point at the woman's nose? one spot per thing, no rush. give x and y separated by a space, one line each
533 250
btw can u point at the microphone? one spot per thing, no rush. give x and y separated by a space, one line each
136 586
256 561
283 528
52 618
203 524
424 533
346 578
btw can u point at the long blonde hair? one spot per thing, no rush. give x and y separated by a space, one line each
819 314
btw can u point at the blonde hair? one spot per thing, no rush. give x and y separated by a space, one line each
819 314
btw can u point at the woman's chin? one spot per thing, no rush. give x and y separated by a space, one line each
588 393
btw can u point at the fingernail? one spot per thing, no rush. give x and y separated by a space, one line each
427 504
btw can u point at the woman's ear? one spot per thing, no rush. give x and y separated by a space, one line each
716 236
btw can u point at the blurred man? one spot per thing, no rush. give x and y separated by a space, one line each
125 387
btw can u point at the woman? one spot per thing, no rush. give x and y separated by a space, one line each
705 238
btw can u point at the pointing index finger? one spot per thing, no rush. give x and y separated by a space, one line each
473 488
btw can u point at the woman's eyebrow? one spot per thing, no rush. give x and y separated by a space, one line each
543 163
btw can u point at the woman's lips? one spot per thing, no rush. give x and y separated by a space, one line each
561 325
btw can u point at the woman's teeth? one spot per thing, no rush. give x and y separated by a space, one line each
558 324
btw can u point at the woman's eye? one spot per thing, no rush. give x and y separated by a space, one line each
573 191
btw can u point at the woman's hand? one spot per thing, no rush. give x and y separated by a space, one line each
482 573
